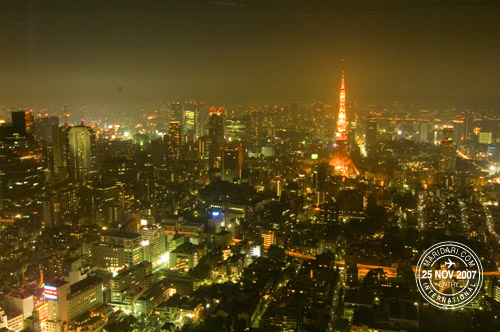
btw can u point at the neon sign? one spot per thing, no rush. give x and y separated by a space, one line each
50 292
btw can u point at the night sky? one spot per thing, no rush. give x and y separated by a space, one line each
134 54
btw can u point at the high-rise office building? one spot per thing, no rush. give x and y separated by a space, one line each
175 110
256 119
58 154
190 122
44 128
459 127
447 156
21 164
23 125
236 129
423 131
232 163
174 139
80 152
468 126
215 134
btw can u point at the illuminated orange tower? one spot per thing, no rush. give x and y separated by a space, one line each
341 161
341 132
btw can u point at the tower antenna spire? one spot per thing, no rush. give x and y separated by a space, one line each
341 160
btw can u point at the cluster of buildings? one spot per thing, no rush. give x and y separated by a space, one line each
283 218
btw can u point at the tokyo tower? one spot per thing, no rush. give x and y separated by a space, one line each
341 161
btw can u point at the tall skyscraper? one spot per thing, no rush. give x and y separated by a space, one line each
21 164
459 127
215 134
447 156
190 120
341 161
175 110
43 128
423 131
237 129
174 139
468 126
232 163
23 125
58 151
80 153
256 124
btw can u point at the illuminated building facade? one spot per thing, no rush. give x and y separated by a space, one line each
129 284
23 125
175 111
215 134
21 163
154 242
268 238
341 161
447 156
116 249
57 151
236 129
191 122
232 163
80 154
67 302
174 138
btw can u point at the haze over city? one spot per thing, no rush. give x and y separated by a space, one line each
132 55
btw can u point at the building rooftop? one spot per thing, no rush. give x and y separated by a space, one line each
56 283
83 284
20 294
121 234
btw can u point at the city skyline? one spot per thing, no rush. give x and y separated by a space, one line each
249 165
248 52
